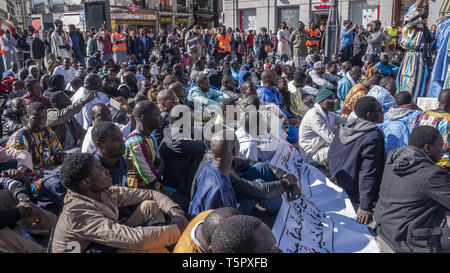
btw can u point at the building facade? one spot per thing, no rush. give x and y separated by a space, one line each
155 15
13 13
254 14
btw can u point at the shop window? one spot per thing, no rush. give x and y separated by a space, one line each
38 6
74 5
57 5
164 5
289 15
205 5
182 6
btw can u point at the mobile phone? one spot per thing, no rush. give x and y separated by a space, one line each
114 103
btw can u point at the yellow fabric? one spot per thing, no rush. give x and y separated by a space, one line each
185 243
391 32
433 113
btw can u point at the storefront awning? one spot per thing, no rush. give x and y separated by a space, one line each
445 9
4 25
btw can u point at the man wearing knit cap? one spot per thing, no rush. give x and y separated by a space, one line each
318 128
322 78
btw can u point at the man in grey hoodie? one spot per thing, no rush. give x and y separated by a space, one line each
356 157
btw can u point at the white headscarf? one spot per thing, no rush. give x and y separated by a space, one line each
31 69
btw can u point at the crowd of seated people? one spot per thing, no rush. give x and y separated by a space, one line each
159 158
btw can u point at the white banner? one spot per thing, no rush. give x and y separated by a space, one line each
323 220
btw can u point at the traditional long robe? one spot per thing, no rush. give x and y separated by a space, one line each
440 76
413 73
58 40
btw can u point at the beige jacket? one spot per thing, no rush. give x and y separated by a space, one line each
84 220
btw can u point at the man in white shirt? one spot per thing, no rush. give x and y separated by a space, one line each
91 83
323 79
317 129
66 70
100 112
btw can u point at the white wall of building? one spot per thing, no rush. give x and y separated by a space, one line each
267 10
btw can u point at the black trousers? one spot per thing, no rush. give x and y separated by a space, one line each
182 160
347 52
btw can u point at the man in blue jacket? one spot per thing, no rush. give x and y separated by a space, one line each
356 157
143 46
268 93
213 188
348 33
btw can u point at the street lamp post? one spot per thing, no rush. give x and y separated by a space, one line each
331 32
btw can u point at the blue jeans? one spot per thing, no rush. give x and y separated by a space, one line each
79 57
264 174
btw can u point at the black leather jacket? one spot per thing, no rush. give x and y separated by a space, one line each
10 123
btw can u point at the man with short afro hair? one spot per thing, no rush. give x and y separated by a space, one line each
90 216
142 147
414 201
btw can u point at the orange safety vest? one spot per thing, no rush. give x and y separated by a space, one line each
224 43
121 46
312 33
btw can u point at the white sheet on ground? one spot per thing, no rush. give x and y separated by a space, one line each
323 220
